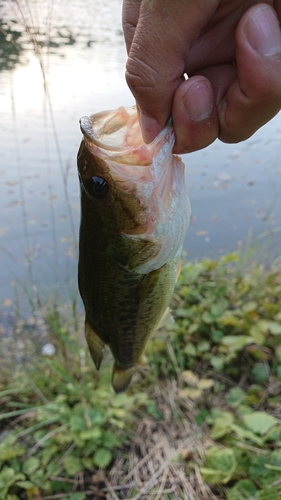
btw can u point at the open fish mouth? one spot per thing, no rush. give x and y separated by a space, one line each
149 172
134 216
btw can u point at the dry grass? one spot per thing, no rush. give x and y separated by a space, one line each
155 465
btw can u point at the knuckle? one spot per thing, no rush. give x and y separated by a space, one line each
141 77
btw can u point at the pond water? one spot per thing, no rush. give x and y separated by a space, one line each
63 60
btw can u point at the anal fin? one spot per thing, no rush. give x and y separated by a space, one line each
95 344
167 319
121 378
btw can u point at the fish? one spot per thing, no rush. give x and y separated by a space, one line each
135 213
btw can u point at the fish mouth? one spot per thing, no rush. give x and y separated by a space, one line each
116 134
147 178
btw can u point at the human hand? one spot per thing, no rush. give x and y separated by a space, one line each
231 52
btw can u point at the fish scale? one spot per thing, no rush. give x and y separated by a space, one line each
134 215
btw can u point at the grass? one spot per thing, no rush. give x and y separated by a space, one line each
203 423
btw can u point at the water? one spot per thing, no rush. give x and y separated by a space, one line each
78 70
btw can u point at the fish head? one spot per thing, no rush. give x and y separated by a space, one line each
135 193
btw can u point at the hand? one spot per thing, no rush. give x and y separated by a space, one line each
231 52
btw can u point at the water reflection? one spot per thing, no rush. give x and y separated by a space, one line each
70 62
11 49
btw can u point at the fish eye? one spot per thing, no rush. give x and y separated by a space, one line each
97 187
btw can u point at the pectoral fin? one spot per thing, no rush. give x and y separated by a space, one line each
131 252
147 284
167 319
95 344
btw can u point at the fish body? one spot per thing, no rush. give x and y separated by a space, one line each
134 216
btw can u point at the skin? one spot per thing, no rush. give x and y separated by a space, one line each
126 279
231 52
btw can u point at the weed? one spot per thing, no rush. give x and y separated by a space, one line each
204 423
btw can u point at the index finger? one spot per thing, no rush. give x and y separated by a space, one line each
158 48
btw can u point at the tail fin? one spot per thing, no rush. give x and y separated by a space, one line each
121 378
95 344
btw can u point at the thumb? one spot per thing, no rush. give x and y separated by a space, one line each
158 48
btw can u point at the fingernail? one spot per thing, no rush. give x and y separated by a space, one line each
263 31
149 126
198 101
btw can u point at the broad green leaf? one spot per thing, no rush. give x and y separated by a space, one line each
110 440
269 494
220 465
6 452
77 423
278 352
222 425
260 372
203 346
216 336
102 457
250 306
7 478
219 307
236 342
274 328
228 319
244 434
243 490
31 465
189 349
72 465
207 317
94 433
26 485
217 363
257 334
77 496
259 422
236 396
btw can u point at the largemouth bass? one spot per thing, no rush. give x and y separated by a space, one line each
134 216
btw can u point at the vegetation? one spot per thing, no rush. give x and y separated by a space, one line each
203 423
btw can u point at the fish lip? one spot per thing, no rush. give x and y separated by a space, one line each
135 154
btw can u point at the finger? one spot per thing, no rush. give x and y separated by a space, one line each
163 36
194 115
130 15
255 95
277 7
